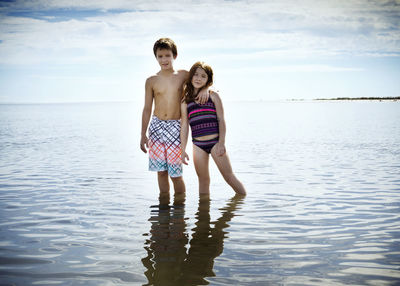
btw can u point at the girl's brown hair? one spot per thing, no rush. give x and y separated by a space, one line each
188 88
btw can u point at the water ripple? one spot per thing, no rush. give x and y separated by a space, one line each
77 207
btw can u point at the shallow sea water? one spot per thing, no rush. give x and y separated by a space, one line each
78 206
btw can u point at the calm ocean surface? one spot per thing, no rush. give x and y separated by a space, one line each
78 206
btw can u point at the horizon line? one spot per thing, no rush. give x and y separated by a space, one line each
255 100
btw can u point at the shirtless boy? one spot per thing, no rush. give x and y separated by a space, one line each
165 89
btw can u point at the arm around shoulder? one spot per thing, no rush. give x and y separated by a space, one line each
184 73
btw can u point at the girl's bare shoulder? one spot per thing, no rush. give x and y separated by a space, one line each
215 96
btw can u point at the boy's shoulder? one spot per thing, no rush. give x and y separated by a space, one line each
152 79
183 73
157 75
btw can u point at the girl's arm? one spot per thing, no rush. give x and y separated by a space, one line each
220 146
184 132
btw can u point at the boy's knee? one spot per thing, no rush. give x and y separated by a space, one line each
177 179
162 174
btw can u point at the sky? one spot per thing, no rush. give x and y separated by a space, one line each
84 51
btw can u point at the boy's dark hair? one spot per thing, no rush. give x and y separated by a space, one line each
165 43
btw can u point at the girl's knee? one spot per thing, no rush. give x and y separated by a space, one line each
230 178
204 178
204 184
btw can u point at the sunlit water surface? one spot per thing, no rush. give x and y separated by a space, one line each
78 206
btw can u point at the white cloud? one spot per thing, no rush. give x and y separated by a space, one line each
293 69
339 26
112 38
290 28
333 27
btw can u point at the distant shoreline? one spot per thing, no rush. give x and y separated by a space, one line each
397 98
361 98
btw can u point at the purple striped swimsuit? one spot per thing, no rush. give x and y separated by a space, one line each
203 121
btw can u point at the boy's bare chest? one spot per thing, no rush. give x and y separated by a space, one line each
168 86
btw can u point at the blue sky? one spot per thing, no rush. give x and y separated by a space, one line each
72 51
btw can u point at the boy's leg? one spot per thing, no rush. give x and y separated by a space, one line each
200 160
157 153
179 199
164 200
224 166
179 185
173 154
163 182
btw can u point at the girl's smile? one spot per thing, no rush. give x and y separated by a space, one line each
199 78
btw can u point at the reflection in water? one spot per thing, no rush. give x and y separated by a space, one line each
166 247
168 262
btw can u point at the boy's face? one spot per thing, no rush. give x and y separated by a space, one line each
165 58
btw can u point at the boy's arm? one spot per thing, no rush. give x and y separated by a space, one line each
220 146
203 95
184 132
148 104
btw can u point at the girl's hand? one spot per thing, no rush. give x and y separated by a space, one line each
220 149
184 157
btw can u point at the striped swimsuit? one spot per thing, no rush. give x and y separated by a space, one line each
203 121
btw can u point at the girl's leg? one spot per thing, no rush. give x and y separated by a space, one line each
200 159
163 182
224 166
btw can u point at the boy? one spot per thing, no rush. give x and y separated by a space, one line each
165 89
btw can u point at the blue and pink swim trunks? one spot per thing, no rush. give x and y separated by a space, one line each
165 146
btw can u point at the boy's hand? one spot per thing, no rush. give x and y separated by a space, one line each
143 143
184 157
220 149
203 95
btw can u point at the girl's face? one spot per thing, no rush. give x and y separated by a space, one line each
199 78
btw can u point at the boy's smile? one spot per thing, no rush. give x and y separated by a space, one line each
165 58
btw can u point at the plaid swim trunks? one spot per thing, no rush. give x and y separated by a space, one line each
165 146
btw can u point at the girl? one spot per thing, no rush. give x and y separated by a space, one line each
208 129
